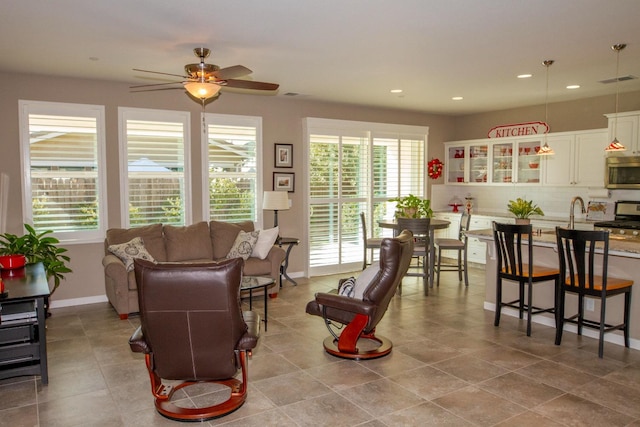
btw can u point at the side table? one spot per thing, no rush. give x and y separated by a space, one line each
290 242
249 283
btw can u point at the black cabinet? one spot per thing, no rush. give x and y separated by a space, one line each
23 347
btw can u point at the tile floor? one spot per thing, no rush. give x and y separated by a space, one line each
449 366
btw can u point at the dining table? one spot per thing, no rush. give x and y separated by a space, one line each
435 224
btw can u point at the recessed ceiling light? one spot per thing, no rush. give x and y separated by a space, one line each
573 87
525 76
396 90
457 98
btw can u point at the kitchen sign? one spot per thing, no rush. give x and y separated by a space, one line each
518 129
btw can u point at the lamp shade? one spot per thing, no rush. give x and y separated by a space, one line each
275 200
202 90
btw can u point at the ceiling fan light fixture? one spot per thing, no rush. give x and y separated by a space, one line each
202 90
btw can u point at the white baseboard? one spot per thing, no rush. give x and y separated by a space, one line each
78 301
568 327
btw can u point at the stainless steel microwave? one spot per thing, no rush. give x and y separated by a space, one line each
623 172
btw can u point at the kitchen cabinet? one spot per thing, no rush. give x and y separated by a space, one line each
455 164
476 249
627 132
579 159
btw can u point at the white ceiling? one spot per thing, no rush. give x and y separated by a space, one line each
351 51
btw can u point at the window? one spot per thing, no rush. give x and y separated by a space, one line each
357 167
62 150
232 145
154 155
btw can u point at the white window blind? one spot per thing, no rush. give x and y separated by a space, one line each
232 168
62 147
357 167
155 155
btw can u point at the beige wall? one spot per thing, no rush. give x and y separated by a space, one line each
563 116
282 122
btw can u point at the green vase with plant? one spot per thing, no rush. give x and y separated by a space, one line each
523 209
412 207
38 247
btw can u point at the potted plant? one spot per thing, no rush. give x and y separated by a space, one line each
523 209
38 248
412 207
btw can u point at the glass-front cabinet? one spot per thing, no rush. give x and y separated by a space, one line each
502 163
478 162
528 162
455 164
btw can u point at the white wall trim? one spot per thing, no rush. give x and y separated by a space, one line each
79 301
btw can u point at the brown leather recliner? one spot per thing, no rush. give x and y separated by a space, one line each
193 329
362 315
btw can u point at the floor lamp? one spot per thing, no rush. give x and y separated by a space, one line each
275 201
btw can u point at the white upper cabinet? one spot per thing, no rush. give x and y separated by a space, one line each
579 159
628 130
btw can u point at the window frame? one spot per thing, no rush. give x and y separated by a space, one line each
148 114
374 131
28 107
232 120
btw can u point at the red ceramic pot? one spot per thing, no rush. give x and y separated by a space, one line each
10 262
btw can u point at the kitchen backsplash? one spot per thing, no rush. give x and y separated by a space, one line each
554 201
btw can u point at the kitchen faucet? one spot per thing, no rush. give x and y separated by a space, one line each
573 206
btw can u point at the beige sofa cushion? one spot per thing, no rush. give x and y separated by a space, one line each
223 235
188 243
150 234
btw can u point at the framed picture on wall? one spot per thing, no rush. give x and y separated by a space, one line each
284 181
284 156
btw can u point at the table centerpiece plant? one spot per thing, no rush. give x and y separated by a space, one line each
412 207
38 247
523 209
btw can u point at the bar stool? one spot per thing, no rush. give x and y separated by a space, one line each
459 245
582 276
370 243
514 267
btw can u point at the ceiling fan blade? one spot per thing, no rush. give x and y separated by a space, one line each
154 84
158 72
250 84
156 89
231 72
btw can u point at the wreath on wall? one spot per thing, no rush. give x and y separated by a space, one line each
435 168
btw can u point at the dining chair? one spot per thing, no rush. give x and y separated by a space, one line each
584 273
514 253
420 229
460 246
369 243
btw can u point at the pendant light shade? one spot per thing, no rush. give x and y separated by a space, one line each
545 150
616 145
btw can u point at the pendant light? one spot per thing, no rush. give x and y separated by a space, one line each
545 150
615 145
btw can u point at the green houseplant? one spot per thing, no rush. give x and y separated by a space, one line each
523 209
38 248
412 207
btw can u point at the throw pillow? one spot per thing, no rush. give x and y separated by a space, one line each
266 239
346 288
130 250
243 245
364 280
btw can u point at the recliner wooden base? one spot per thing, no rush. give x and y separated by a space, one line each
384 348
168 409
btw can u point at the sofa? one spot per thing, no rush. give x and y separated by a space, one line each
199 242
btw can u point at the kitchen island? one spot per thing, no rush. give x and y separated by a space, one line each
624 256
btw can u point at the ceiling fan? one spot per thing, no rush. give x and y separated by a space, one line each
204 81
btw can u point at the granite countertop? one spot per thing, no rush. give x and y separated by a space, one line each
581 218
625 246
